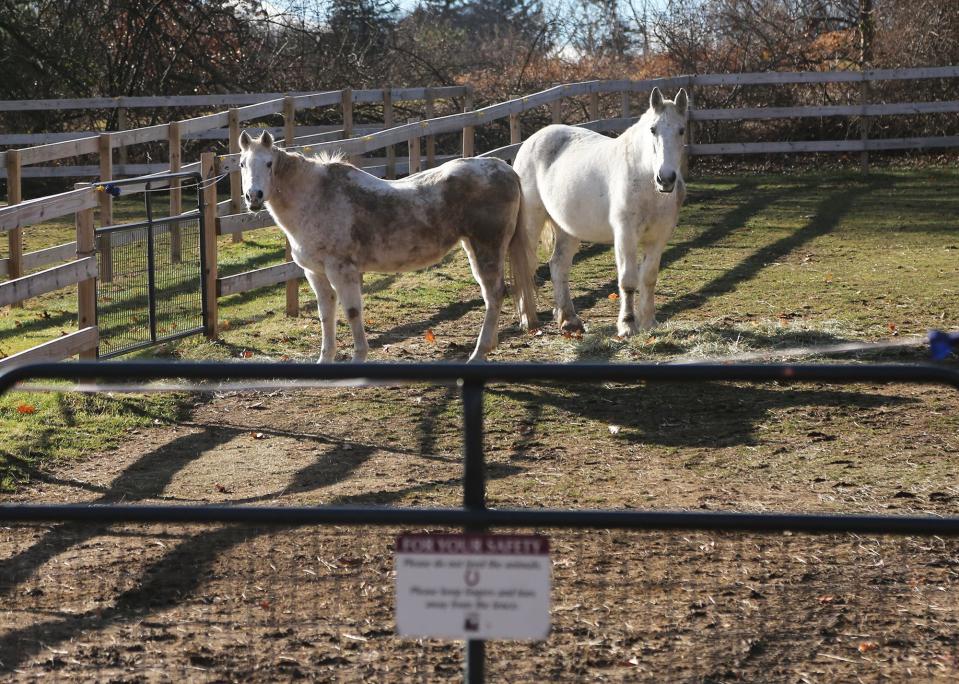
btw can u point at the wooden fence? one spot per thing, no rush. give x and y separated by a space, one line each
229 218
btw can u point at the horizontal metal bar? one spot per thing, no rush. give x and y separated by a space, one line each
489 372
713 521
153 178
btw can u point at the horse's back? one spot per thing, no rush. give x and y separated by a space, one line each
565 170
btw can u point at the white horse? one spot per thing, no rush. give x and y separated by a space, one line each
342 222
626 190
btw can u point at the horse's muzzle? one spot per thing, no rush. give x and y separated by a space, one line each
666 184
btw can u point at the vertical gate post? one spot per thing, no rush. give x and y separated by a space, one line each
469 132
176 195
414 147
388 123
208 174
236 187
474 499
86 289
593 106
15 236
430 139
624 104
106 206
289 133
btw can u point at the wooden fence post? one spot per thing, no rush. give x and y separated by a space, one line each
469 132
289 134
176 195
208 173
236 185
556 110
624 104
515 132
594 106
430 139
414 146
106 206
15 236
346 103
388 123
123 158
690 133
864 126
86 289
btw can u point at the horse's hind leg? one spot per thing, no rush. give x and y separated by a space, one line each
347 282
326 304
487 263
559 264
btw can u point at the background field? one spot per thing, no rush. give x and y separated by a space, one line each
757 263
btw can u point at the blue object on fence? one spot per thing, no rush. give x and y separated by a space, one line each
942 344
110 189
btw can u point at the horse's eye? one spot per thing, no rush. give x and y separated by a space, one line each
682 131
242 165
652 130
269 165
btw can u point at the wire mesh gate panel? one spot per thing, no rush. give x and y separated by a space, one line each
154 288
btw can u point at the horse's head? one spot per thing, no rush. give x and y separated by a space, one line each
667 126
256 168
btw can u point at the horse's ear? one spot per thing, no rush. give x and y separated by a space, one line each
682 101
656 99
245 141
266 139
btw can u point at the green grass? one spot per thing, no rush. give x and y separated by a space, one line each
757 262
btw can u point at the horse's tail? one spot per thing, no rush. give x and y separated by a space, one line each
522 265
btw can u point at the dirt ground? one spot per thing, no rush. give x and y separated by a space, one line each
223 603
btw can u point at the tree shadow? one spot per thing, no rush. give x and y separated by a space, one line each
166 582
704 415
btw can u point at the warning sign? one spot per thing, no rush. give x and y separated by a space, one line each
472 586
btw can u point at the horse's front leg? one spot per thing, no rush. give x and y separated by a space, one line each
326 304
625 245
347 281
648 273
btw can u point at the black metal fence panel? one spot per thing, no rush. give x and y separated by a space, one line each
174 602
154 292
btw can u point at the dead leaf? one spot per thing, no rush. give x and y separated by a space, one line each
221 488
613 296
829 277
867 646
259 435
26 408
429 336
246 354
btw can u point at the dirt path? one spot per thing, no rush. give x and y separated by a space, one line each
158 603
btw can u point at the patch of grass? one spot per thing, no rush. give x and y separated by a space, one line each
38 427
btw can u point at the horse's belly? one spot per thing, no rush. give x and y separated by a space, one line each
402 258
584 222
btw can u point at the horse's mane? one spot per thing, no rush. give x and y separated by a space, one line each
290 159
328 157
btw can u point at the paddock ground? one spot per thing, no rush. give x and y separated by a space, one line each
757 263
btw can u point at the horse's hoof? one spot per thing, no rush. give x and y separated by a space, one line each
572 327
626 328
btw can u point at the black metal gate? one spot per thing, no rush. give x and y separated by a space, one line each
151 285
